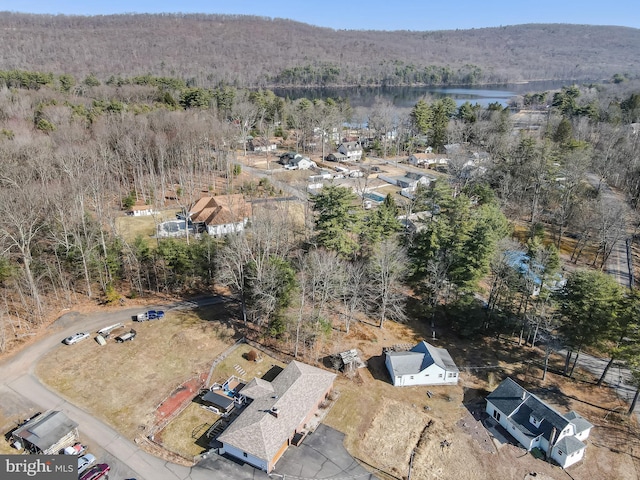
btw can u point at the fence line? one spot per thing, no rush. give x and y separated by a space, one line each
221 357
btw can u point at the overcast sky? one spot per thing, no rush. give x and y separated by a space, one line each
367 15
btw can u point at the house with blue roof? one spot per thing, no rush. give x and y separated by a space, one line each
534 424
424 364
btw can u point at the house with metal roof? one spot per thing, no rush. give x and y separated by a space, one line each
424 364
534 424
277 412
46 434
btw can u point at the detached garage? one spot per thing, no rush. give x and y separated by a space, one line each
46 434
424 364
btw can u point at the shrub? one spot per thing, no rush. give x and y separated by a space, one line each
252 355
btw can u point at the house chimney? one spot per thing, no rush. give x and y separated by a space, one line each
552 439
274 411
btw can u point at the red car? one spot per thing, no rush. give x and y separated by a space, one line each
96 472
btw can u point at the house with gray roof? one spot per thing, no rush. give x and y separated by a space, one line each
353 150
424 364
276 412
534 424
46 434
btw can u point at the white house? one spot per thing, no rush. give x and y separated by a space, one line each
222 214
534 424
278 412
426 159
140 210
424 364
336 157
301 163
409 181
262 145
352 150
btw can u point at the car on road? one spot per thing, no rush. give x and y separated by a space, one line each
85 462
75 338
97 472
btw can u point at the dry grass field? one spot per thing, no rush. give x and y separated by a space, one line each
13 411
383 424
123 383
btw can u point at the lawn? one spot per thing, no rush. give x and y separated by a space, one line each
124 383
144 226
384 424
185 435
226 368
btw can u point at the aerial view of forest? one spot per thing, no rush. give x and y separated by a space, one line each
146 162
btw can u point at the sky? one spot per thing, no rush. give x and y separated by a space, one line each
417 15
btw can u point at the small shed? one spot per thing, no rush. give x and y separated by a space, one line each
46 434
350 360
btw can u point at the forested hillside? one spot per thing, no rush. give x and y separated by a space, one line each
209 50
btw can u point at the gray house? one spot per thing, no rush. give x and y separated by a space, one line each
46 434
278 411
534 424
352 150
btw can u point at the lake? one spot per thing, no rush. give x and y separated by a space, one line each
407 97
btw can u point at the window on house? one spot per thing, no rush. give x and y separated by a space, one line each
440 375
559 452
244 454
496 415
411 377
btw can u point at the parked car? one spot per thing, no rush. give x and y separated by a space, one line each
96 472
77 449
125 337
85 462
75 338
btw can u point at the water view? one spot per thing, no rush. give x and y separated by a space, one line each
406 97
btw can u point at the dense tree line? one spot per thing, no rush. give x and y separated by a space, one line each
211 50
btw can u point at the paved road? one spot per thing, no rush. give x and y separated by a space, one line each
20 389
617 265
19 380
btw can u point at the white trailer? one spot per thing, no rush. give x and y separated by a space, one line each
104 332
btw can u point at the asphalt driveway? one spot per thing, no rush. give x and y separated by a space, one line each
321 456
